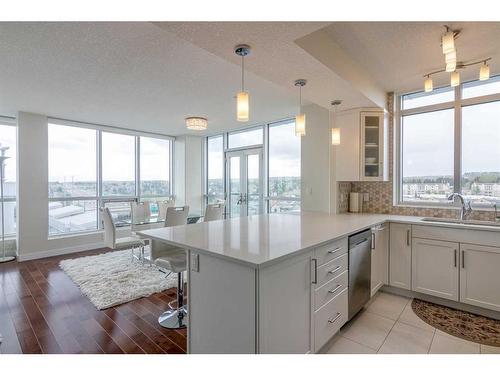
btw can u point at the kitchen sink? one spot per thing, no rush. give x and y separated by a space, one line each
465 222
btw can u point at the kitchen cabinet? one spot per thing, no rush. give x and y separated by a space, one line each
435 268
400 255
380 257
480 276
363 146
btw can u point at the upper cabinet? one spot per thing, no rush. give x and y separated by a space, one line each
363 151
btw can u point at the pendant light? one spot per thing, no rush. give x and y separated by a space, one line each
455 79
196 123
242 98
484 72
335 132
451 66
300 119
448 41
428 86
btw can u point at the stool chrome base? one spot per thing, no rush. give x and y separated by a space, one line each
174 319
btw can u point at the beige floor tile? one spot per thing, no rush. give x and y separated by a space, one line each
442 344
368 329
486 349
410 318
388 305
406 339
341 345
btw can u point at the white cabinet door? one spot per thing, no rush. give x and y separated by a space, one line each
435 268
373 146
400 256
480 276
380 257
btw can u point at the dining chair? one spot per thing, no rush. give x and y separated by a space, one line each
114 243
140 211
214 212
162 207
176 216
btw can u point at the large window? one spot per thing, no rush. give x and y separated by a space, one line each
91 168
8 147
442 151
284 168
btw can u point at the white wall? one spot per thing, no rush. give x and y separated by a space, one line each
32 195
317 172
188 172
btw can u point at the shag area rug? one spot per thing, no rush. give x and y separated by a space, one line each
112 278
458 323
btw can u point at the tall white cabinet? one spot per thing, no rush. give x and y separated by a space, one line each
380 257
400 256
363 150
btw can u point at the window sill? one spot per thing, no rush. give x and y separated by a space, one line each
442 207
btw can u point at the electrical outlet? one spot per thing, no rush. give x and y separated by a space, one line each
366 197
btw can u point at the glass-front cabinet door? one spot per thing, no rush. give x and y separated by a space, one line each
244 182
372 146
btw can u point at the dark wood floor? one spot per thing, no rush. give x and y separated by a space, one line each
43 311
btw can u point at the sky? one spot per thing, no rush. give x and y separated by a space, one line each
72 155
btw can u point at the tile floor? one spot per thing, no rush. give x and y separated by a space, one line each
388 325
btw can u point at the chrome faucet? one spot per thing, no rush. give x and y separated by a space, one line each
466 207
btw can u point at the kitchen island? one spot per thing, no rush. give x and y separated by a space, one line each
275 283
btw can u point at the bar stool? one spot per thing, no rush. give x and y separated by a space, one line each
175 261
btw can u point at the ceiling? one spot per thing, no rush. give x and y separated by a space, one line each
398 54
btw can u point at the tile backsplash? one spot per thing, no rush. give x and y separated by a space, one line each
381 193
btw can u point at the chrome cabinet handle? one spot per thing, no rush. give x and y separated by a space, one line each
335 269
315 270
408 237
335 289
455 256
334 250
333 320
373 241
463 258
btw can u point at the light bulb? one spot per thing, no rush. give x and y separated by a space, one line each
455 79
300 125
484 72
428 84
242 106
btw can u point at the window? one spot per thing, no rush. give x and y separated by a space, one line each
421 99
246 138
281 147
429 169
8 144
77 189
215 169
118 164
284 168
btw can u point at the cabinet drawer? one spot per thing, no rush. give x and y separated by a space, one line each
333 268
329 319
330 251
330 290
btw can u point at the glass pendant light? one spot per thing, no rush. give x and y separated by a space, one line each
484 72
428 84
455 79
448 41
196 123
451 66
451 57
242 98
300 119
335 132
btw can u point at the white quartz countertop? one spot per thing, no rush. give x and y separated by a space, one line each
261 240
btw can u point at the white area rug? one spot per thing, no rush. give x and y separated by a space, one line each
112 278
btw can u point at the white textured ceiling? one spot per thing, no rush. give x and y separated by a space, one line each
133 75
275 55
398 54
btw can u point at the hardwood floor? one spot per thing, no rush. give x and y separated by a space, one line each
43 311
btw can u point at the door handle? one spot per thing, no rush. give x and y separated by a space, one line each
333 320
335 289
373 241
463 258
334 250
334 270
408 237
315 281
455 257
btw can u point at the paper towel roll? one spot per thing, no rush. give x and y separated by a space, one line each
355 203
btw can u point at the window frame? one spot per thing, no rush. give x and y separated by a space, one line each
11 121
265 147
99 197
457 104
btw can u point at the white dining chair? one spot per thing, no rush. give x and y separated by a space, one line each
162 207
114 243
140 211
214 212
176 216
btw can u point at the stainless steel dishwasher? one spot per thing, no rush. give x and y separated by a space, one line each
360 262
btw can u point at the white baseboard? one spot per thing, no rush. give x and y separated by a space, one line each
61 251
